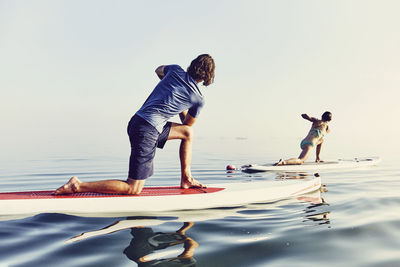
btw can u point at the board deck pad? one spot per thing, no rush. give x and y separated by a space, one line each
147 191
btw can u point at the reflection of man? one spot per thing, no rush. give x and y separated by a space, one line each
145 242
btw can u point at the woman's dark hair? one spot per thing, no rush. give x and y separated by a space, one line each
327 116
202 68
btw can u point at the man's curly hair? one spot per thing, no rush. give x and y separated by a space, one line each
202 68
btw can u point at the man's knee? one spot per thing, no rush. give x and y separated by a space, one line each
188 132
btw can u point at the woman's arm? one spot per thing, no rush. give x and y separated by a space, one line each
306 117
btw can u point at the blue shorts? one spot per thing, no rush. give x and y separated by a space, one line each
144 140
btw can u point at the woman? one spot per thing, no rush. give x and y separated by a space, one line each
315 137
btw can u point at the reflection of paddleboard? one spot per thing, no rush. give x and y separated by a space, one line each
154 199
313 198
313 166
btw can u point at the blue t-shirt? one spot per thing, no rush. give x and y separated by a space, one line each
176 92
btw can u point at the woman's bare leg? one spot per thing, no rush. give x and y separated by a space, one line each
304 154
296 161
318 151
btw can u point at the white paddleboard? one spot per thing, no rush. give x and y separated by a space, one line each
221 195
314 166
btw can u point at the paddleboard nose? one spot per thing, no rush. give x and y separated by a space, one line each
230 167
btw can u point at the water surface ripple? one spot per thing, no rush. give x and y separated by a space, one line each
353 220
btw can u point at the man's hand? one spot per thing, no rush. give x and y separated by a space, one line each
160 72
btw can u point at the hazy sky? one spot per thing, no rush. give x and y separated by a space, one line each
74 72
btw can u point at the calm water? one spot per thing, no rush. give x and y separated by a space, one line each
353 221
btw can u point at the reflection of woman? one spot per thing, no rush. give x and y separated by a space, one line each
145 242
315 137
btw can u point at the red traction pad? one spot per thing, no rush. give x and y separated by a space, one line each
147 191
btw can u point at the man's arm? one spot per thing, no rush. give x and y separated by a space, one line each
160 72
306 117
189 120
182 115
186 118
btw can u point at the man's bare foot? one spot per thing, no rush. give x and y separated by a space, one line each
280 163
72 186
191 183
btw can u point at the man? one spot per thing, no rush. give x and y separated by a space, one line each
176 93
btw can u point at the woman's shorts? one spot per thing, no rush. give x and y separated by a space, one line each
144 140
305 143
